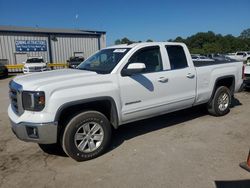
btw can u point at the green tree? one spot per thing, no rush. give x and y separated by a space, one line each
245 34
118 41
149 40
179 39
125 40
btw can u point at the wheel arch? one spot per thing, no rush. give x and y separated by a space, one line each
105 105
228 81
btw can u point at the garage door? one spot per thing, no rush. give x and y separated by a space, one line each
21 57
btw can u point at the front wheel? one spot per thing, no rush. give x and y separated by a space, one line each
86 136
221 101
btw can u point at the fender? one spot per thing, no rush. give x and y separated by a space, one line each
221 78
114 115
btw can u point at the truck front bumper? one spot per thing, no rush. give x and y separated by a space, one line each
42 133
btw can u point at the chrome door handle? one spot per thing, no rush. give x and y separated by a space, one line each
163 80
190 75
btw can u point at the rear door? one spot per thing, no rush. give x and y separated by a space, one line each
181 86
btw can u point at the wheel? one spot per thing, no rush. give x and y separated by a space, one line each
220 104
86 136
5 73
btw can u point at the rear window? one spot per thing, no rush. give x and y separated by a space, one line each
240 53
177 57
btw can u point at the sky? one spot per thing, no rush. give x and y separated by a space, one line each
138 20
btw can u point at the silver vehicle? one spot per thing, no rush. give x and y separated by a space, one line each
201 58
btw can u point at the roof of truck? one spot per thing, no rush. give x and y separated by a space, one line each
144 44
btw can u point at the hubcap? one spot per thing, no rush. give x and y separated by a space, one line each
223 101
89 137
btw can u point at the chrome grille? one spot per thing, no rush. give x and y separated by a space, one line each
35 68
15 95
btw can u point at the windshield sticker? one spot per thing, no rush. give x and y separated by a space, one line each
119 50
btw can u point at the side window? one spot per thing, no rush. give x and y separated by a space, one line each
150 56
240 53
177 57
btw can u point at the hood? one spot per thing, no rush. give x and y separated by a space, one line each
53 78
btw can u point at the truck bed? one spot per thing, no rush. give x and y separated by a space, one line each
208 63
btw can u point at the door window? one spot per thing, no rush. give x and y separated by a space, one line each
177 57
150 56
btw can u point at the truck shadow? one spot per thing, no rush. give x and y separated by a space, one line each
233 184
132 130
235 102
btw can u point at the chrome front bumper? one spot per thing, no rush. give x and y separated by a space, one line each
42 133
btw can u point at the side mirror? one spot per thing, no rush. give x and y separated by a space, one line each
133 68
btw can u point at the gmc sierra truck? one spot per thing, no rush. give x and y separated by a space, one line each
76 109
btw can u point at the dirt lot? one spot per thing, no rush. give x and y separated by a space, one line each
184 149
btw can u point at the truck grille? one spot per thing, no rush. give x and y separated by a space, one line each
16 97
35 69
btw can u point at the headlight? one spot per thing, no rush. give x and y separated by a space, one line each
33 100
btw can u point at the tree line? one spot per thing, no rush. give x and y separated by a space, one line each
208 42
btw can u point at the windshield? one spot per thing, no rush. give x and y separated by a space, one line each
34 60
104 61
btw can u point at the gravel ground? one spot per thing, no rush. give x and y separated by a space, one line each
184 149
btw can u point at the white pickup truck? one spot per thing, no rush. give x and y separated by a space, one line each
77 109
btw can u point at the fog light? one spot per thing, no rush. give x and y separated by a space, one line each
32 132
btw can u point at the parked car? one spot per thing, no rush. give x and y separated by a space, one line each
219 57
34 64
201 58
247 76
241 56
3 70
76 108
73 62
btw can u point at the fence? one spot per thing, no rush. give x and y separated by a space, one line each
19 67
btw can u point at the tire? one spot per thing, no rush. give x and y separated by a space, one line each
86 136
6 73
221 101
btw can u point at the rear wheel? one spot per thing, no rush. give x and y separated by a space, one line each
220 104
86 136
